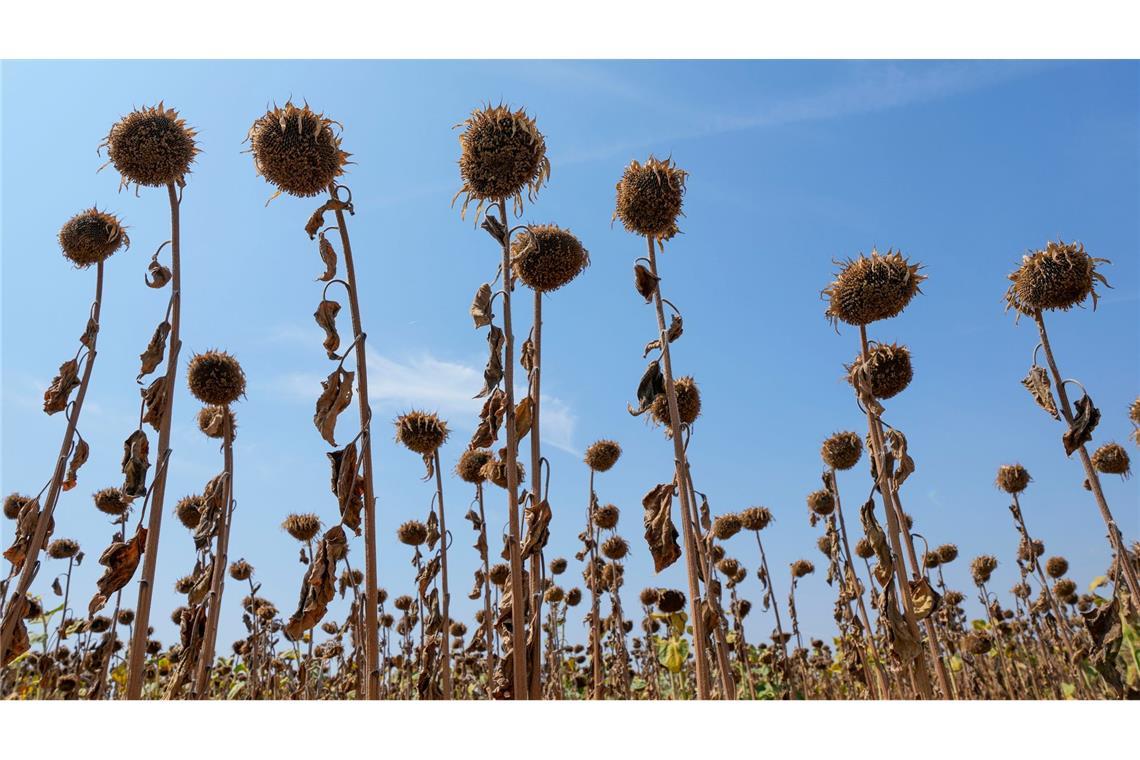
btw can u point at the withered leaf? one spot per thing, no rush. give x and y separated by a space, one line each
210 517
326 317
136 462
660 533
524 417
490 420
56 587
493 372
203 576
926 599
347 486
55 397
336 395
905 464
89 333
154 402
526 355
481 306
20 641
433 534
676 327
644 281
154 352
1037 383
426 575
121 559
477 589
495 228
159 275
1084 422
26 522
878 540
78 459
903 643
652 384
328 258
318 587
537 516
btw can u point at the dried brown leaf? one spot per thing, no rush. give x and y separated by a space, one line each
336 395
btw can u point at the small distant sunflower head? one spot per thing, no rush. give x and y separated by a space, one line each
458 628
947 553
1021 590
1056 566
558 565
931 560
887 367
983 567
498 573
111 501
151 147
977 643
649 198
863 549
729 567
823 543
470 466
304 527
1059 276
496 471
1028 551
554 594
606 516
741 608
63 548
1065 590
726 526
546 257
602 455
842 450
821 502
688 403
615 548
412 533
1012 478
502 154
99 624
126 617
403 603
91 236
648 596
184 584
670 600
870 288
212 421
13 503
189 509
1112 459
421 432
297 150
802 567
573 597
216 378
755 518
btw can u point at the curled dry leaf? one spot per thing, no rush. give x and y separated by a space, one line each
926 599
210 516
1084 422
651 385
1037 383
317 220
524 417
878 540
490 420
78 459
537 516
328 258
644 281
121 559
433 534
89 333
26 522
20 642
905 464
326 317
481 306
152 356
55 397
159 275
136 462
660 533
493 372
319 585
526 354
904 644
347 486
336 395
154 402
426 576
676 327
477 588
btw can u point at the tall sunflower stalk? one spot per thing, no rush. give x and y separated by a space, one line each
89 238
299 152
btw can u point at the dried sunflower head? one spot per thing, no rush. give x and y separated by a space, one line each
554 595
1026 552
821 502
1112 459
573 596
1060 276
1013 478
502 154
111 501
412 533
726 526
212 421
868 289
977 643
615 547
241 570
931 560
670 600
606 516
403 603
602 455
729 567
558 565
1066 590
842 450
802 567
863 549
823 543
947 553
1056 566
688 404
215 377
184 584
297 150
151 147
303 527
982 568
546 257
470 466
886 366
649 198
498 573
13 503
91 236
755 518
495 471
421 432
63 548
648 596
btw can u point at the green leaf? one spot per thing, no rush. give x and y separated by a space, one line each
235 689
1068 690
1097 582
979 625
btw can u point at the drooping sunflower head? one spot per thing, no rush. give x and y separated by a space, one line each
151 147
870 288
111 501
821 502
726 526
649 198
13 503
755 518
864 549
606 516
1112 459
842 450
212 421
189 510
886 366
297 150
216 378
91 236
1059 276
670 600
1056 566
615 547
602 455
546 257
470 466
421 432
241 570
502 154
558 565
1013 478
983 567
496 471
688 403
802 567
63 548
947 553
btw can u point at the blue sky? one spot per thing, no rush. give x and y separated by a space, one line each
962 165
